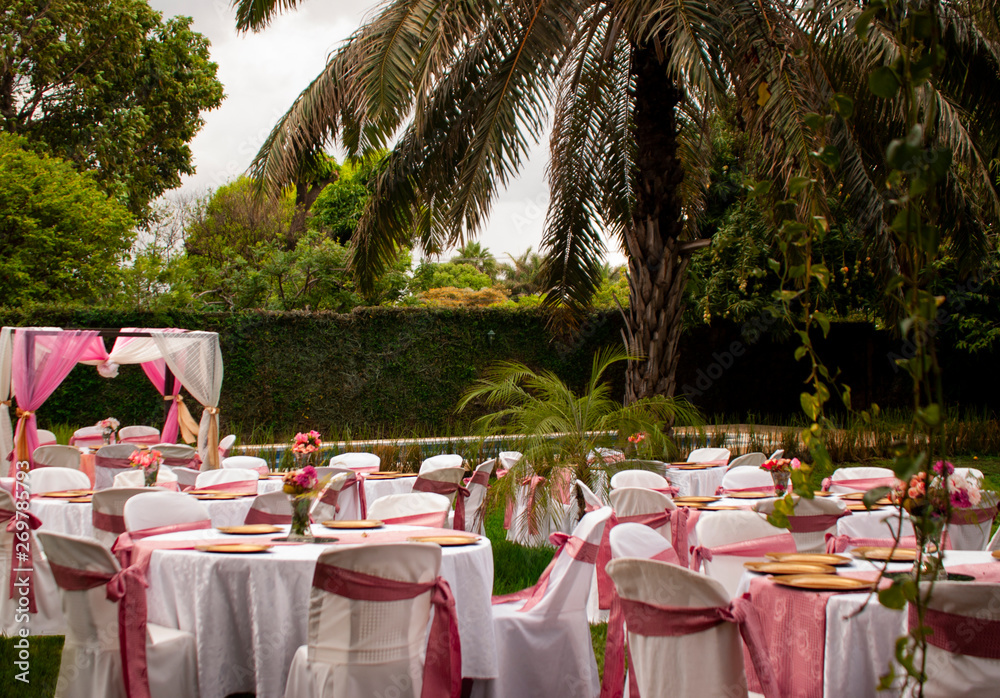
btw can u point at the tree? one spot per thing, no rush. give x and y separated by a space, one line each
109 86
631 87
449 274
523 276
478 256
62 239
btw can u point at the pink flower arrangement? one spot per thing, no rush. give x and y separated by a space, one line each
109 423
946 488
781 465
637 438
299 482
304 444
145 459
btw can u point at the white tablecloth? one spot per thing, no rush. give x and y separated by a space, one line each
250 612
696 483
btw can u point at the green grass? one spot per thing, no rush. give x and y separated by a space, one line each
43 670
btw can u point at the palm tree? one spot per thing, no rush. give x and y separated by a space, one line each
478 256
629 86
523 275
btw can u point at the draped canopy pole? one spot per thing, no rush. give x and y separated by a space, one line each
6 428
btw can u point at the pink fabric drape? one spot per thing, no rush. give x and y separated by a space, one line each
576 548
156 372
443 663
814 523
437 519
256 516
234 487
860 484
973 637
840 544
757 547
111 523
31 523
126 542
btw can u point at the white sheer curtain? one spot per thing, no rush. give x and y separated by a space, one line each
6 428
196 359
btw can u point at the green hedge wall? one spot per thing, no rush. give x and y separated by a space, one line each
374 371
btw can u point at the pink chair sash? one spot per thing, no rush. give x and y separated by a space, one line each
446 488
192 462
840 544
25 543
50 442
480 477
678 520
148 440
113 463
576 548
532 482
860 484
720 490
256 516
122 547
331 496
437 519
234 487
973 637
112 523
443 665
971 517
651 620
814 523
128 588
757 547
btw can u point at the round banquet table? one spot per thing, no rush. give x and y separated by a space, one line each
696 482
251 612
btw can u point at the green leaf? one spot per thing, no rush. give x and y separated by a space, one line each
872 496
809 405
822 274
800 353
797 184
823 321
843 105
940 162
863 23
893 596
930 415
883 82
815 121
829 156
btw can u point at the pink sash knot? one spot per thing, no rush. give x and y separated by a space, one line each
33 523
756 547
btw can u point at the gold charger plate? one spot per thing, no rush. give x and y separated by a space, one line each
811 558
789 568
216 495
748 495
824 582
81 500
718 507
882 554
693 467
860 506
249 529
996 554
446 540
858 496
354 525
692 499
67 494
233 548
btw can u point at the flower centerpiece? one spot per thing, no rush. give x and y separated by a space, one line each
301 486
930 505
781 471
305 447
108 428
150 461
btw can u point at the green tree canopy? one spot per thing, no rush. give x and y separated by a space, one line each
62 238
439 275
108 85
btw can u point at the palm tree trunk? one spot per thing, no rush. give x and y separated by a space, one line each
657 269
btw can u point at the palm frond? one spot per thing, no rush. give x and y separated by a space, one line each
255 15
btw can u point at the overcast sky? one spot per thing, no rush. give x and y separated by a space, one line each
263 73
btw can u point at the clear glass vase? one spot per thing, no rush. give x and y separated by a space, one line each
300 529
107 433
150 474
780 478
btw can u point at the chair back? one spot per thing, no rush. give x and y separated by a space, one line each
443 461
707 663
226 446
726 527
247 463
778 453
756 459
639 478
46 438
349 509
60 456
154 509
591 502
806 511
109 461
746 477
273 508
370 647
877 524
478 486
863 473
186 477
637 540
427 508
453 475
970 528
139 435
639 501
90 437
357 461
108 507
709 455
129 478
507 459
55 479
179 455
221 476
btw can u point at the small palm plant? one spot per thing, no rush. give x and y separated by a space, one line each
560 433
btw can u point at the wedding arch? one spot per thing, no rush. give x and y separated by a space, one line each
35 360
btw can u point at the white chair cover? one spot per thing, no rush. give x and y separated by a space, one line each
549 519
247 463
637 501
103 477
475 512
638 478
971 475
154 509
46 438
742 477
91 657
509 458
186 477
969 529
441 462
54 479
709 455
401 506
859 473
226 446
951 674
723 528
112 503
139 435
129 478
708 663
637 540
272 504
994 543
359 459
6 428
367 648
778 453
547 650
222 475
49 618
756 459
875 524
349 503
452 475
815 541
91 437
60 456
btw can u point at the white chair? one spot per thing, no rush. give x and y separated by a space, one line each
969 529
414 508
60 456
547 650
813 519
271 508
641 502
778 453
507 459
755 459
55 479
226 446
46 438
709 455
638 540
247 463
108 507
367 648
109 461
186 477
129 479
994 543
222 476
591 502
139 435
48 620
90 437
91 663
707 663
725 528
357 461
347 500
747 477
639 478
478 486
155 509
972 606
860 479
551 514
973 475
441 462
